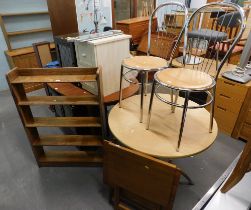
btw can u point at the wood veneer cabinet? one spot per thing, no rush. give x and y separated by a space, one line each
233 108
136 27
242 127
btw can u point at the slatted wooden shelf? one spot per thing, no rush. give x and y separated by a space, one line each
38 30
70 158
64 122
59 100
69 140
48 157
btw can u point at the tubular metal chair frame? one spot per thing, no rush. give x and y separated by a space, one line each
142 71
187 92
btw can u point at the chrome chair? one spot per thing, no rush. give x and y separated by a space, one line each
199 76
162 21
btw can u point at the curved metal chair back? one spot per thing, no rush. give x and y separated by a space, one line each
165 25
209 31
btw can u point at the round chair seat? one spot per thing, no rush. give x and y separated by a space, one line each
182 78
145 63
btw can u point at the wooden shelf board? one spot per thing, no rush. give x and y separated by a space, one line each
24 50
15 33
60 100
69 140
68 89
70 158
65 122
55 79
24 13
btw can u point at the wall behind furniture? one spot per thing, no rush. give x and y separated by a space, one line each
197 4
21 23
85 14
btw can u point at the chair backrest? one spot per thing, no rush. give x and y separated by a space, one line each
149 178
162 36
230 20
43 53
207 32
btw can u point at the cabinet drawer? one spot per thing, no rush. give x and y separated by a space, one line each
225 119
246 131
228 103
231 90
85 54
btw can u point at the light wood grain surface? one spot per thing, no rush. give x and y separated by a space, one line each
162 137
133 20
145 62
185 78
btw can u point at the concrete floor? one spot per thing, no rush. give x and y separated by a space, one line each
24 186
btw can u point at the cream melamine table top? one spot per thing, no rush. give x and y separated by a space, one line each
162 137
144 62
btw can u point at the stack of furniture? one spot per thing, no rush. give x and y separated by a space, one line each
196 74
49 157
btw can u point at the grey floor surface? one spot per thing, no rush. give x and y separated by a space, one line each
24 186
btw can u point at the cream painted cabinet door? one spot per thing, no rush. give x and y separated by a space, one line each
108 53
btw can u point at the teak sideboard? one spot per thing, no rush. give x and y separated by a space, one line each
136 27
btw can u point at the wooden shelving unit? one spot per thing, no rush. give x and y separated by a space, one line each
16 33
8 34
45 156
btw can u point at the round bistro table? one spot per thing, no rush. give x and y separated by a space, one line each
161 139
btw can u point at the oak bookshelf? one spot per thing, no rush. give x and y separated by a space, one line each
50 157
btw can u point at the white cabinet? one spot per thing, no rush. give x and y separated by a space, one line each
108 53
